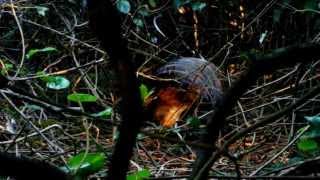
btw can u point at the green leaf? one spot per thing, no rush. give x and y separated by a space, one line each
41 10
85 164
198 6
308 145
105 113
312 133
7 67
194 122
32 52
140 175
123 6
81 97
314 121
43 76
57 83
144 91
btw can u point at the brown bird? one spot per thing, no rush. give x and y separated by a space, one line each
195 84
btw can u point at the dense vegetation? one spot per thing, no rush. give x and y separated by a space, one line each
76 77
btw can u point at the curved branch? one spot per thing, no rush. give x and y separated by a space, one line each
258 65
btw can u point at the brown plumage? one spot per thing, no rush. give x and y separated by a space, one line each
197 84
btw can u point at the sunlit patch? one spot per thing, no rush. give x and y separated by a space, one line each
182 10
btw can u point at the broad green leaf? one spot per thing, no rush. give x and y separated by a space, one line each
194 122
308 146
81 97
85 164
314 121
41 10
198 6
140 175
105 113
123 6
32 52
58 83
144 91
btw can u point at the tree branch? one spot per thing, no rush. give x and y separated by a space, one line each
105 22
258 65
24 168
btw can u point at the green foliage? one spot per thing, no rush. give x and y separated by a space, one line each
144 91
33 52
123 6
54 82
81 97
195 5
58 83
198 6
105 113
314 121
7 67
41 10
44 77
82 164
194 122
140 175
308 146
308 142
